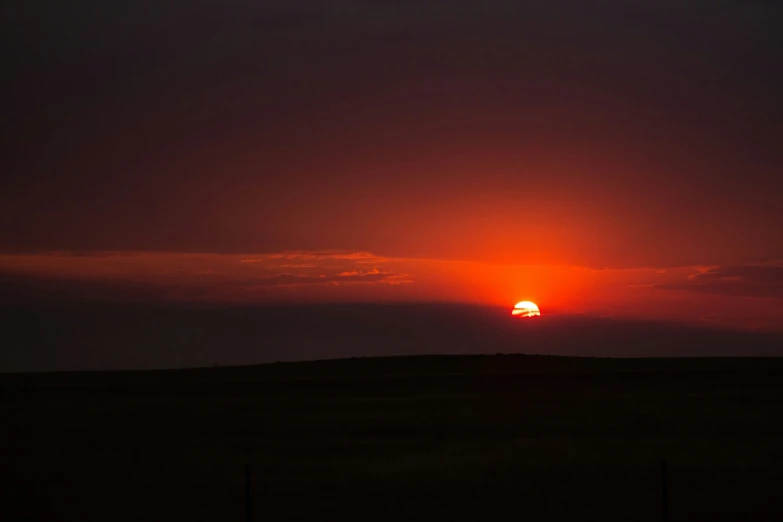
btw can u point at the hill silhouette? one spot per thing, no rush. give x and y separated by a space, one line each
493 437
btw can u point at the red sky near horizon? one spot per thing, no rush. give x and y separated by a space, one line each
737 297
617 158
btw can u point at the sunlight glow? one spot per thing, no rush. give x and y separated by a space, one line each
525 309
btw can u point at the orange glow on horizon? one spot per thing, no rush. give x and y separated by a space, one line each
681 294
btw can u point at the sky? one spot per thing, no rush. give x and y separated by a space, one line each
615 158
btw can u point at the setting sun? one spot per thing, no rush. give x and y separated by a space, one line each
525 309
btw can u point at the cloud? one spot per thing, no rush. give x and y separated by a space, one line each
353 277
353 273
734 281
358 257
176 276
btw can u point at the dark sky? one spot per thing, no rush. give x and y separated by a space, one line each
622 135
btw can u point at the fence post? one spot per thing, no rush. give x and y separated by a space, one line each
664 491
248 494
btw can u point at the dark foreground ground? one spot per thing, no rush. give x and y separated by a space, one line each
502 437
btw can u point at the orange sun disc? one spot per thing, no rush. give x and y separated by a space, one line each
525 309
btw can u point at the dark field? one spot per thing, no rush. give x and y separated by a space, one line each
507 437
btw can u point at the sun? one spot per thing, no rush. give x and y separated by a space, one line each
525 309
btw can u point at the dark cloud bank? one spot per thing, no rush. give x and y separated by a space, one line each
735 281
101 336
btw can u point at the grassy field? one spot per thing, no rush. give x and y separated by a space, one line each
506 437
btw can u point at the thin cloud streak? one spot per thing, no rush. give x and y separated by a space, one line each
734 281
